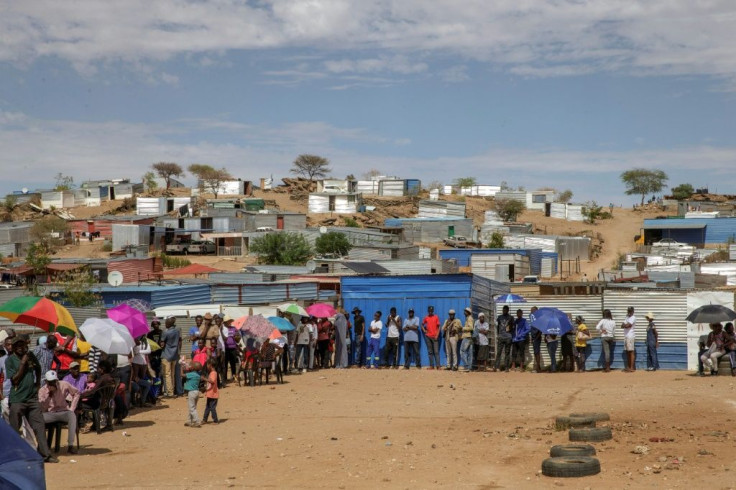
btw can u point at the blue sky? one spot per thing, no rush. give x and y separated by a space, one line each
562 94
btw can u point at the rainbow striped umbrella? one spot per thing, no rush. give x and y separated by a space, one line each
41 313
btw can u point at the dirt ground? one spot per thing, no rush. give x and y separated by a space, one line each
420 429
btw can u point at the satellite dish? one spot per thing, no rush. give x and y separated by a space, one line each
115 278
323 229
311 265
24 190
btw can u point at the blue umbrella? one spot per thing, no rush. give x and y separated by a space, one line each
510 298
20 465
282 324
550 321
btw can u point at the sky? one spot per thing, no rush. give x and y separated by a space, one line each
534 93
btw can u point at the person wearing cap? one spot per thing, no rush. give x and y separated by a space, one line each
481 329
466 344
170 344
155 336
652 343
24 372
230 338
209 330
411 340
45 352
75 377
59 400
66 351
431 331
582 334
505 334
393 333
451 329
629 326
359 332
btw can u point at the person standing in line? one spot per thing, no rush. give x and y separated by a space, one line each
536 336
212 394
341 336
466 342
451 329
652 343
481 329
504 330
411 340
581 342
312 326
359 331
520 342
431 331
373 355
392 348
303 339
729 342
170 344
324 332
551 341
155 336
567 346
629 326
606 327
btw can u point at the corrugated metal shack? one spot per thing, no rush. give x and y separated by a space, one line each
567 247
432 230
259 293
104 224
158 206
275 219
335 203
15 238
480 190
531 199
157 296
61 199
441 209
136 270
463 256
383 251
508 267
124 236
695 231
399 187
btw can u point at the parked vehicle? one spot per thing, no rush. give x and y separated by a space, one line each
456 241
530 280
672 248
178 248
202 247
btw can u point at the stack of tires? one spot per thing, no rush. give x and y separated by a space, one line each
576 460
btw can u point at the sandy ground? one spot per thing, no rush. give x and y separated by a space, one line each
420 429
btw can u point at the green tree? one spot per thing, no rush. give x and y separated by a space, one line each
564 196
332 243
682 191
465 182
63 182
311 166
592 212
496 240
76 288
38 259
49 232
509 209
641 181
167 171
282 249
149 181
210 179
8 206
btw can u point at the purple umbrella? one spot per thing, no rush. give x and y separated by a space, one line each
257 326
133 319
321 310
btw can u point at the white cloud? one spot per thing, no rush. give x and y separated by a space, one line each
531 37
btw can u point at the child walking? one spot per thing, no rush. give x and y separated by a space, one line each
212 393
191 387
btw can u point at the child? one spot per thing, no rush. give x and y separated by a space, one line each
212 393
191 387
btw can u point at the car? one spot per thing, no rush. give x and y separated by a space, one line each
530 280
202 247
669 243
456 241
264 229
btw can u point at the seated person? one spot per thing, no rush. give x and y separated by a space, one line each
75 378
702 349
92 397
53 398
729 342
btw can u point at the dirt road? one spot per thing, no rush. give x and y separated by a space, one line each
420 429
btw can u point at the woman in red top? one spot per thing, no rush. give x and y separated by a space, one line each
324 332
212 393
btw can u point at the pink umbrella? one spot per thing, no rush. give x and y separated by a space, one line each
257 326
133 319
240 321
321 310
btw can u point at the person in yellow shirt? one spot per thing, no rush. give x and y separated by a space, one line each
581 342
83 348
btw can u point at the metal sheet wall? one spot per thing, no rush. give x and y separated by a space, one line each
368 187
124 235
558 210
135 270
575 212
149 206
235 277
669 307
391 188
254 294
319 204
369 253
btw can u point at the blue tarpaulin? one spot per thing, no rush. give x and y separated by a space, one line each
21 467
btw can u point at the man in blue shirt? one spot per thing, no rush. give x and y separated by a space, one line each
521 341
170 343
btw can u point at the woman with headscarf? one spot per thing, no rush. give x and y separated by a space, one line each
341 333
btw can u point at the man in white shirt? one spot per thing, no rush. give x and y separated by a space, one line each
393 322
373 356
629 327
482 329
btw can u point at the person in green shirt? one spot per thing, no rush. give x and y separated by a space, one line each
191 387
24 372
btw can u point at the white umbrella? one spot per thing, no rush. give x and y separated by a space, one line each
107 335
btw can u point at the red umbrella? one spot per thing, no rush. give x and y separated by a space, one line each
133 319
321 310
257 326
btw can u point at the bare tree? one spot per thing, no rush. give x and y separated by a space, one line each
374 172
311 166
210 179
167 170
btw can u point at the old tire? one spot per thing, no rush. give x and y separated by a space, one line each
564 423
571 467
597 416
571 450
590 434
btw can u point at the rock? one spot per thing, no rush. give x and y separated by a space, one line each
640 450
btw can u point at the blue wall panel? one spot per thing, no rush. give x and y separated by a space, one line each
672 355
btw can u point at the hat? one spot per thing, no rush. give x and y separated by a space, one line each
22 338
649 315
451 312
481 314
411 310
42 340
169 317
630 308
227 318
357 310
74 364
208 316
3 336
580 319
52 376
430 308
468 309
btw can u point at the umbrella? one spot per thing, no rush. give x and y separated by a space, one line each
138 304
239 322
275 335
257 326
108 335
133 319
550 321
20 465
321 310
711 314
292 308
282 324
510 298
41 313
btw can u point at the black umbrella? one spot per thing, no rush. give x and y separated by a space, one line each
711 314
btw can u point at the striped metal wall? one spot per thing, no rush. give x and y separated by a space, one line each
265 293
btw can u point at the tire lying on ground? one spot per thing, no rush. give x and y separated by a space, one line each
571 467
597 416
571 450
564 423
590 434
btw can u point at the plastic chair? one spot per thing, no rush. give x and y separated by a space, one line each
107 406
53 432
